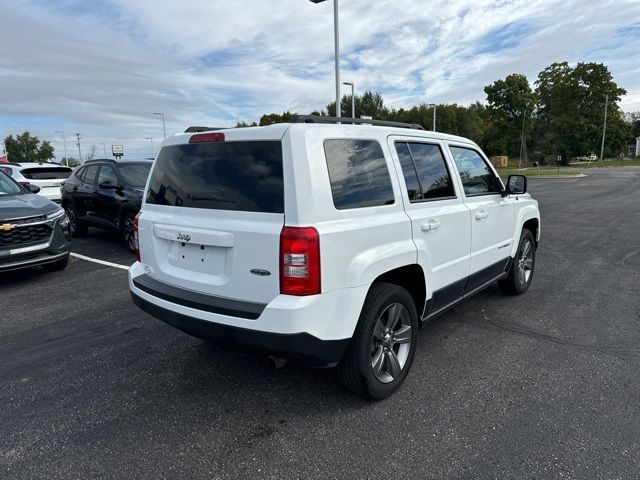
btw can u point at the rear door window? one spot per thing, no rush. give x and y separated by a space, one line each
358 173
241 176
107 174
90 174
425 171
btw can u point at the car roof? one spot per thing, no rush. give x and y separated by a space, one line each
278 130
39 165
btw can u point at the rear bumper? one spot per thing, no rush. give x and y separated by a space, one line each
301 347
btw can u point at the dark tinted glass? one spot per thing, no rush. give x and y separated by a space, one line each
46 173
409 172
358 173
90 174
432 171
107 174
477 178
6 170
135 174
245 176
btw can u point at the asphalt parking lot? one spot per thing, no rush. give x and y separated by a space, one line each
544 385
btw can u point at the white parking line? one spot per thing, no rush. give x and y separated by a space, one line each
101 262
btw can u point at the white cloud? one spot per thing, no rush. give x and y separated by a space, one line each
102 68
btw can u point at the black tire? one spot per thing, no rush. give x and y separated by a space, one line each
57 265
523 266
356 370
78 229
126 227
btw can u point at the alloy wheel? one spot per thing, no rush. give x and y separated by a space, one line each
391 342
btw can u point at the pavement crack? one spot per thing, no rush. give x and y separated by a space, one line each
521 330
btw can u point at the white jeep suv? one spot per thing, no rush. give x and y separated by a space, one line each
326 243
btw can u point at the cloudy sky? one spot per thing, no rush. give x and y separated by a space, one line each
103 67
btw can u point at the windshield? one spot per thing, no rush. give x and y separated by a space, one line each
135 174
8 186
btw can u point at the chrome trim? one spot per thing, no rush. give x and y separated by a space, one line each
31 248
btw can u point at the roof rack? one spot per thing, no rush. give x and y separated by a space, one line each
357 121
202 129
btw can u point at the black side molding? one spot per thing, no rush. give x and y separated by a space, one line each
199 301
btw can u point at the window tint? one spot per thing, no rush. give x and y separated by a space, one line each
6 170
477 177
46 173
409 171
107 174
358 173
241 176
89 175
135 174
423 164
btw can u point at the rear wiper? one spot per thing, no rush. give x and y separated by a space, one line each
207 198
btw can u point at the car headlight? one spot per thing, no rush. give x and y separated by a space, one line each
64 223
57 214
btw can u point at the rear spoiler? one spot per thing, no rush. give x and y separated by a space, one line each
203 129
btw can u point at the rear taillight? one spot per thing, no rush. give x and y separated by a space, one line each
25 184
207 137
299 261
135 236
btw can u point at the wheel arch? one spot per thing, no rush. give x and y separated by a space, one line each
411 278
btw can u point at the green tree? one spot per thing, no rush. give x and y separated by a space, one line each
25 148
244 124
70 161
510 105
272 118
571 103
369 104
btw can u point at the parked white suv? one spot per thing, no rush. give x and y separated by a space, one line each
47 176
327 243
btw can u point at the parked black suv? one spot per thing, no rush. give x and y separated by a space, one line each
106 194
33 229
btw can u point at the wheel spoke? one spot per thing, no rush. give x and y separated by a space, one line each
378 331
394 364
526 248
377 362
403 334
393 313
528 263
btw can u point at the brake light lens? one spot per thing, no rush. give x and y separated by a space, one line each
207 137
25 184
299 261
135 236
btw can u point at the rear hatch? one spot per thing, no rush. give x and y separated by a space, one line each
213 215
47 178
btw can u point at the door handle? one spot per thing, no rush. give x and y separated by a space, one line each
430 225
482 214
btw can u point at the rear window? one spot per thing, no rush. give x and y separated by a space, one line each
46 173
241 176
358 173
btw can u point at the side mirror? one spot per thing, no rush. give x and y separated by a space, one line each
516 184
33 188
108 185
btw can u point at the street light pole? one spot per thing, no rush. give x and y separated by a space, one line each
353 98
164 128
336 38
152 152
64 142
434 115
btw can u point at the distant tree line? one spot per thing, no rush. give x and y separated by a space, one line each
562 115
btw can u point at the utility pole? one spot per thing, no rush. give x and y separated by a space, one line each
524 116
434 117
164 128
604 126
79 151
